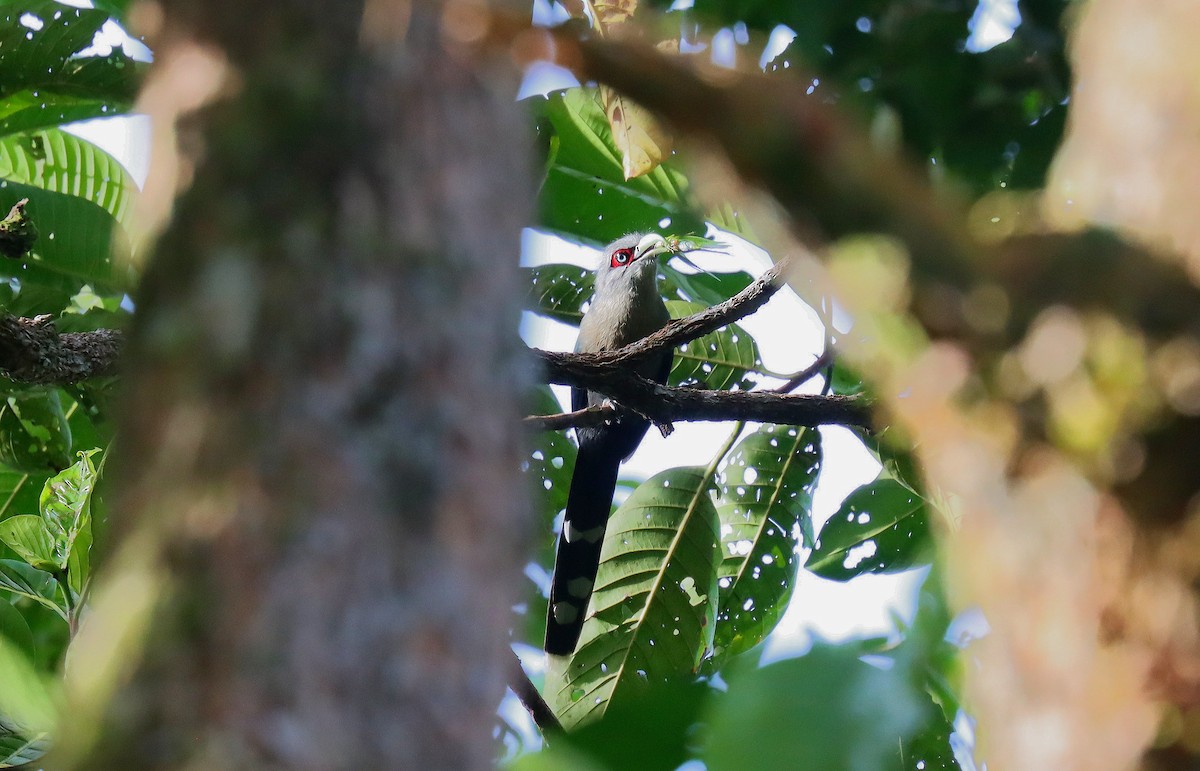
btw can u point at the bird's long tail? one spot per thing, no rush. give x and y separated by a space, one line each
578 557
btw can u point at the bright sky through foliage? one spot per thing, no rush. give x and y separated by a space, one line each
993 23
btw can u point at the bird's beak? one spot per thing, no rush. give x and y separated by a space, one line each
650 246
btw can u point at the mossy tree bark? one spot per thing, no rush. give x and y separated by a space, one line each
320 438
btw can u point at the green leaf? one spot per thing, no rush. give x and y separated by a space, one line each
585 194
882 527
991 117
29 110
766 490
845 380
549 466
79 244
654 732
720 360
116 8
732 221
14 629
652 612
43 56
555 757
552 457
27 535
826 711
51 634
59 537
708 288
26 698
19 491
930 749
52 159
559 291
34 433
27 581
66 506
16 749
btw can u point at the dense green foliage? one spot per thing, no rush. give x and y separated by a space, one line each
981 120
700 562
53 440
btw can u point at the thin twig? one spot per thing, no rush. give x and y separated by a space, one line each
806 374
595 415
533 702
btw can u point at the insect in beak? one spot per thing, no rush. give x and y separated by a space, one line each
651 246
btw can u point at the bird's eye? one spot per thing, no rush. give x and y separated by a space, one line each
622 257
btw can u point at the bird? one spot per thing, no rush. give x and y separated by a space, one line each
625 308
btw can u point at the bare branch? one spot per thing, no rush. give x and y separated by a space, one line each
663 404
806 374
680 331
674 333
595 415
537 707
606 372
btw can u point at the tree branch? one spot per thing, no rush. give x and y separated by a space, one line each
527 692
32 351
662 404
676 332
595 415
607 372
806 374
683 330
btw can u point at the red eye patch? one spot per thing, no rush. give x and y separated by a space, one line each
621 258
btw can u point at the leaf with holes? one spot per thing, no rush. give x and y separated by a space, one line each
882 527
721 360
558 291
764 495
35 436
66 506
652 612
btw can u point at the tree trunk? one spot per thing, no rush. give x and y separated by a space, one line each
318 502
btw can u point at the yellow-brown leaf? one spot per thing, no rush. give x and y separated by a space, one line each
643 143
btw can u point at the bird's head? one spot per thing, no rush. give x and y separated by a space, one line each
630 260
